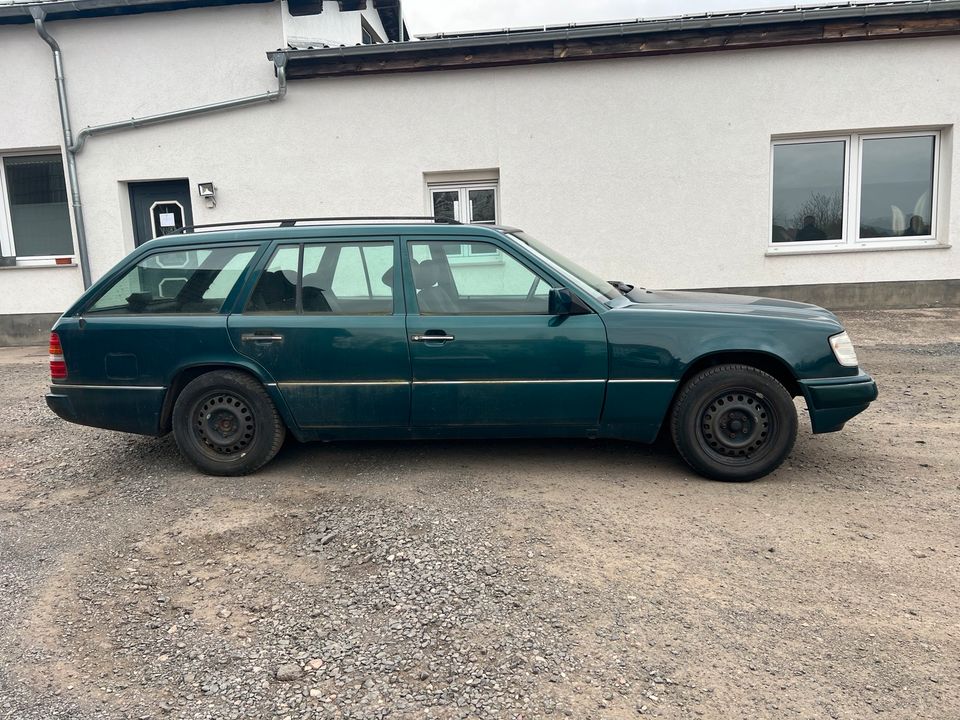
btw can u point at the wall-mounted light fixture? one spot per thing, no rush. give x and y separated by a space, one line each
208 192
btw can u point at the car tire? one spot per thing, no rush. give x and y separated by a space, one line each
734 423
225 423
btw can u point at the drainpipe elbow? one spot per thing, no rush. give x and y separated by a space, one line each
280 61
39 15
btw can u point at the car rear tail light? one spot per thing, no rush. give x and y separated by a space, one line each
58 367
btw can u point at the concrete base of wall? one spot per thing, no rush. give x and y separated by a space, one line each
863 296
20 330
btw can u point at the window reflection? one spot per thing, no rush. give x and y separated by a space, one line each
808 191
896 186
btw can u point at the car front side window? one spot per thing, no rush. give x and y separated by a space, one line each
496 284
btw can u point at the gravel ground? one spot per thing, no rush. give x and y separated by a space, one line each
490 580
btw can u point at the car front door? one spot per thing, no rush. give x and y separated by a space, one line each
484 349
322 318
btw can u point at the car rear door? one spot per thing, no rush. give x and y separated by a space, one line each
322 318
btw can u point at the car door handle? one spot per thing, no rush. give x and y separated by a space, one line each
253 337
432 338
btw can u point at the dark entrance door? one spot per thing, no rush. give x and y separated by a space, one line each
159 208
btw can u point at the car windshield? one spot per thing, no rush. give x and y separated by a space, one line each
598 288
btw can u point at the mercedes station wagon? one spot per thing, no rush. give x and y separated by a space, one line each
233 336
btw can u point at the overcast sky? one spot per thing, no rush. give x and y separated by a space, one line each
430 16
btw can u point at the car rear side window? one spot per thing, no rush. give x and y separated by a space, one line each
178 281
336 278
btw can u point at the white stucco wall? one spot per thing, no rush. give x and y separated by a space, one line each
654 170
117 68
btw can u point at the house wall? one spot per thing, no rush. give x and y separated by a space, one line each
118 68
655 170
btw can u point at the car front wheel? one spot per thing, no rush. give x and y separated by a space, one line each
734 423
225 423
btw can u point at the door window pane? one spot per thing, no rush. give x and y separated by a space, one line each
166 218
896 186
500 286
348 279
186 281
379 263
276 290
808 191
37 196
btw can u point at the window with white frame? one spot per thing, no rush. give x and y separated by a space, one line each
855 190
473 202
34 213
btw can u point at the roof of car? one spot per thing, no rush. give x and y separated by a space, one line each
274 230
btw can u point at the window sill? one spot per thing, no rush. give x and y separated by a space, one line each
36 266
867 246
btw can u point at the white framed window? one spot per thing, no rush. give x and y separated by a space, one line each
855 191
469 203
34 210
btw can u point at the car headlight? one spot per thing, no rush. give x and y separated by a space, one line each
843 350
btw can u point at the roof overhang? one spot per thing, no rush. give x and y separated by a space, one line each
19 12
700 33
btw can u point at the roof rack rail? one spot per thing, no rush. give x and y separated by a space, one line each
293 222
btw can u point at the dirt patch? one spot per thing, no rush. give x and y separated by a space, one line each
510 579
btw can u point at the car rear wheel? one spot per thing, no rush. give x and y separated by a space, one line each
225 423
734 423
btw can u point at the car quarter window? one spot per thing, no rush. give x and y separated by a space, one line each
474 278
189 280
336 278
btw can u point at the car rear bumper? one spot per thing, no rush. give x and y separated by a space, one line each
833 401
129 409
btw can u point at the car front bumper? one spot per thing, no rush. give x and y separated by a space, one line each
833 401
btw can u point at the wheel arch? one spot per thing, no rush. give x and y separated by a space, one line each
184 375
765 361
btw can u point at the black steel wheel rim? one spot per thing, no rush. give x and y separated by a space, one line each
736 426
223 425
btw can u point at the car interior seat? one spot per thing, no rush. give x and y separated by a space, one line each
430 296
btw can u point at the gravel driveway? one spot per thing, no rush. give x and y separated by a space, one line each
490 580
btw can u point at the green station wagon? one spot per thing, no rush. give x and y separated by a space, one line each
412 328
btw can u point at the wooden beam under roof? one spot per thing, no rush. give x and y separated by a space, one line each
466 52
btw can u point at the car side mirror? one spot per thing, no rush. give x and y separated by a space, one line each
563 302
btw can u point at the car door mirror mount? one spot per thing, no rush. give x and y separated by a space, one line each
563 302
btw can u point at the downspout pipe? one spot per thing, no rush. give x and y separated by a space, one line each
39 15
280 62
